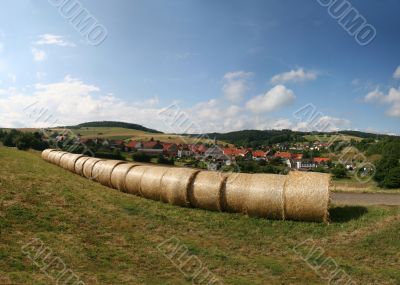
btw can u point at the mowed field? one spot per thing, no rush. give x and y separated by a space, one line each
123 133
108 237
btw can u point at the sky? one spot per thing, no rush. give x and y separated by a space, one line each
223 65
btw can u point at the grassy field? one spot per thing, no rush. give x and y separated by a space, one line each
353 185
123 133
108 237
330 138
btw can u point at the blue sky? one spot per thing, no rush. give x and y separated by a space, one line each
228 65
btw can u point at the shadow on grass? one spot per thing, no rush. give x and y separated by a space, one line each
346 213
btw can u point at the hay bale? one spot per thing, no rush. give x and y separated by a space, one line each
307 196
57 157
88 167
150 182
80 162
72 161
118 176
175 185
133 177
65 160
51 156
46 153
102 171
205 193
258 195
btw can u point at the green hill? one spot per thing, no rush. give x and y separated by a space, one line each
108 237
113 124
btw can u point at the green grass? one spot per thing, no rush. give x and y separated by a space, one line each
108 237
123 133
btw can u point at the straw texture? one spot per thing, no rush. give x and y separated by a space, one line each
307 196
206 191
133 178
298 196
118 176
150 183
88 167
57 157
45 153
256 195
175 185
103 169
80 162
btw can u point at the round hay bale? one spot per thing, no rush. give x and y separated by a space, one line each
80 162
46 153
57 157
150 182
102 171
51 156
72 161
118 176
88 167
175 185
258 195
307 196
132 179
65 160
205 192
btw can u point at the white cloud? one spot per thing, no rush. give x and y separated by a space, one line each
396 74
374 96
392 99
49 39
298 75
38 55
72 101
236 85
322 123
273 100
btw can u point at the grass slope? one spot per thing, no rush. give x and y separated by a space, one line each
108 237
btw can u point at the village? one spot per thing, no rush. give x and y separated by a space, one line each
297 156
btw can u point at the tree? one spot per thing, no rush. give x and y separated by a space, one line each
392 179
339 171
141 157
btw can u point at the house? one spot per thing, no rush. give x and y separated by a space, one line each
150 148
232 153
184 151
215 153
259 154
283 155
321 160
305 165
170 149
198 149
120 144
132 146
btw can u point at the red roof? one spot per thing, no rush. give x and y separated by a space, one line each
321 159
235 151
287 155
118 142
149 145
259 153
132 144
167 146
297 156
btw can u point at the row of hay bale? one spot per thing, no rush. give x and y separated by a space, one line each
297 196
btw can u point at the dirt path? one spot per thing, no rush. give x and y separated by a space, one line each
366 199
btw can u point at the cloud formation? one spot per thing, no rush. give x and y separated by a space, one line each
276 98
294 76
236 85
392 99
49 39
396 74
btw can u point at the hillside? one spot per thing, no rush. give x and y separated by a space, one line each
113 124
108 237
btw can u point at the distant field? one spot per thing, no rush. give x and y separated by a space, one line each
108 237
353 185
122 133
330 138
